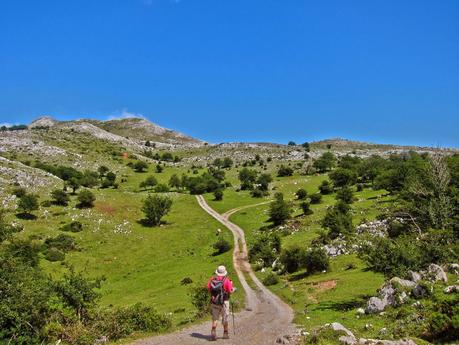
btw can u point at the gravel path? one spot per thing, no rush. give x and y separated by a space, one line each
266 319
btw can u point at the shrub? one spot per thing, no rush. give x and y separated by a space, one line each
343 177
86 199
271 279
140 166
360 187
161 188
200 299
346 195
258 193
60 197
306 207
53 254
301 194
315 198
248 178
338 220
28 203
221 246
279 210
265 248
316 260
284 171
74 226
159 169
62 242
293 258
156 207
325 187
186 281
218 195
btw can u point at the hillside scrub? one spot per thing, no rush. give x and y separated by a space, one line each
155 207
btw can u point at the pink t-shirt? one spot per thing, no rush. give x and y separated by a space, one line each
227 284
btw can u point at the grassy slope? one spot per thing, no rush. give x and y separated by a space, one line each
140 264
316 299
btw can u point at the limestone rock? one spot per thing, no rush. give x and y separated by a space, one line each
436 273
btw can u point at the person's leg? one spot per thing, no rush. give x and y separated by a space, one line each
215 315
226 314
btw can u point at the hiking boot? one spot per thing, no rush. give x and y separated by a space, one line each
225 335
213 335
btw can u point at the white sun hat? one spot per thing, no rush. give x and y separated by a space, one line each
221 271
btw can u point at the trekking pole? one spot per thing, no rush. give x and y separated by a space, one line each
232 312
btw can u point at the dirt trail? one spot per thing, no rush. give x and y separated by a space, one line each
266 317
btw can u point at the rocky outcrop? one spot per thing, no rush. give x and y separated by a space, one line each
436 273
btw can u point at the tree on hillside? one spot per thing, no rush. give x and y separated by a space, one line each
74 183
284 171
89 179
159 169
175 182
248 178
102 170
86 198
301 194
325 187
140 166
343 177
279 210
60 197
150 181
156 207
338 220
227 163
325 162
28 203
263 181
306 146
291 143
345 194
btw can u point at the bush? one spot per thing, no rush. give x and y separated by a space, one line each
19 192
86 199
221 246
161 188
265 248
293 258
338 220
316 260
156 207
284 171
279 210
140 166
301 194
360 187
271 279
74 226
62 242
186 281
200 299
315 198
218 195
325 187
306 207
53 254
258 193
346 195
60 197
343 177
28 203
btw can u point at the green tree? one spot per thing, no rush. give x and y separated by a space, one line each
218 195
86 198
248 178
279 210
301 194
140 166
325 187
293 258
74 183
338 220
175 182
227 163
346 195
155 208
284 171
150 181
306 208
343 177
263 181
102 170
60 197
325 162
28 203
159 169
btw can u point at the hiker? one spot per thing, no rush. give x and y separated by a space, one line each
220 288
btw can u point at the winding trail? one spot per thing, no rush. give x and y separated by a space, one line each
266 317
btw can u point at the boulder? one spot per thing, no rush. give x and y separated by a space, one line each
386 342
454 268
408 284
451 289
387 294
436 273
414 276
375 305
337 327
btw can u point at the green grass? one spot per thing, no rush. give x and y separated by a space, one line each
141 264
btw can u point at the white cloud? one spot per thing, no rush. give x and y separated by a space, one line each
125 114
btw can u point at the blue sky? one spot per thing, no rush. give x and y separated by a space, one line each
262 70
